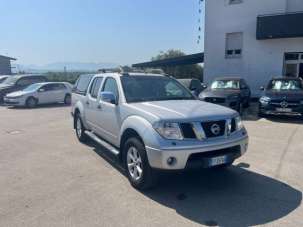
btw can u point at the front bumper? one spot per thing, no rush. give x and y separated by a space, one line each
205 155
269 109
11 101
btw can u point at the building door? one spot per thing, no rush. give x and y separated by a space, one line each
293 65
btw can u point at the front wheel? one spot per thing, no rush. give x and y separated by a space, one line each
31 102
139 173
67 99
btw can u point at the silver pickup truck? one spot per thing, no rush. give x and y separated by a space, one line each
151 122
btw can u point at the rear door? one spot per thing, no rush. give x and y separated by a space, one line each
92 105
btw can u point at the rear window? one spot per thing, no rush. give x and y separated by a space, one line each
82 84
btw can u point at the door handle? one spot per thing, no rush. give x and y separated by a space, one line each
99 106
87 102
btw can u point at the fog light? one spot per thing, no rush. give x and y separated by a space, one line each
171 161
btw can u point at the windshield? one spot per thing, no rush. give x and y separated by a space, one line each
225 84
32 87
285 85
153 88
11 80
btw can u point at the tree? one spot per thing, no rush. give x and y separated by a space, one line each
181 71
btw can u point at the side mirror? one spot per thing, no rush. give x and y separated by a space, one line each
262 88
109 97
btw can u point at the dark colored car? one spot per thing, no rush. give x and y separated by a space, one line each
3 78
194 85
19 82
229 91
282 96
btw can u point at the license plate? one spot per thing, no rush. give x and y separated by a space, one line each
218 161
284 110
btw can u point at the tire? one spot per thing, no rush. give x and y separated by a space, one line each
139 173
240 108
67 99
80 129
31 102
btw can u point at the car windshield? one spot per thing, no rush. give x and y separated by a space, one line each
153 88
285 85
11 80
225 84
32 87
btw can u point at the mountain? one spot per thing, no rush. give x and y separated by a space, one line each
59 67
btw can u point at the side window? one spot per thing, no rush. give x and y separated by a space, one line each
24 82
195 84
61 87
234 45
83 83
111 86
172 89
94 89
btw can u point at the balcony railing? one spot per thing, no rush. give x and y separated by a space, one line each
276 26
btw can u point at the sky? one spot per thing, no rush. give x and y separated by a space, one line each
112 31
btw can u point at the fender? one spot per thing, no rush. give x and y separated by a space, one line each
143 127
80 108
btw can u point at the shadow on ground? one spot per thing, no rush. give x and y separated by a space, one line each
230 197
42 106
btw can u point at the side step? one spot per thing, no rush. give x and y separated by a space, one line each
102 142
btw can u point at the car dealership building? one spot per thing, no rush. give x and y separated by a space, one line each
253 39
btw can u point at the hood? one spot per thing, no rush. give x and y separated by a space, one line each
17 93
5 86
183 110
285 95
219 93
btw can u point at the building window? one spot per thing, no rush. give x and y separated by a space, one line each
234 43
232 2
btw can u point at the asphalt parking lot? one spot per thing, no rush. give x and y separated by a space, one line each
48 178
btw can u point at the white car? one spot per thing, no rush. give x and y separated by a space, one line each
3 78
40 93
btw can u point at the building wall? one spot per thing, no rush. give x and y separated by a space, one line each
261 59
5 66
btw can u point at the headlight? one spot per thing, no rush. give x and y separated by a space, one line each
265 99
169 130
239 124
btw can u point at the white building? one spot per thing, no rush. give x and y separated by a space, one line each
253 39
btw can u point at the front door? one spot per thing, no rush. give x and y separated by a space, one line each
109 123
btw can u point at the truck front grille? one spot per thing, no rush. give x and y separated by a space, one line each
214 128
215 100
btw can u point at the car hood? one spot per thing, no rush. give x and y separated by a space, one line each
182 110
285 95
17 93
5 86
219 93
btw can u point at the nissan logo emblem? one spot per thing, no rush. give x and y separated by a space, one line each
284 104
215 129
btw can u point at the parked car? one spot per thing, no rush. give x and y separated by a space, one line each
228 91
282 96
3 78
194 85
19 82
40 93
151 122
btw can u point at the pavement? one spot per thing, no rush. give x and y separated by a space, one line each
48 178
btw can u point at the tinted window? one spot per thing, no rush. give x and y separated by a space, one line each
60 87
111 86
195 84
49 87
30 80
95 87
83 83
